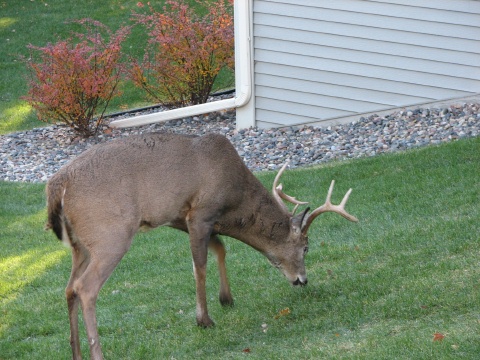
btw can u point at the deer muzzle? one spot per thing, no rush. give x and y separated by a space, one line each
300 281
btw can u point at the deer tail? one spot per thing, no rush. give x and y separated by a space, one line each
55 192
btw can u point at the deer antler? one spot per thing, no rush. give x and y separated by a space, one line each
278 193
329 207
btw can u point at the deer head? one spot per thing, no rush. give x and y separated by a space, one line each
290 259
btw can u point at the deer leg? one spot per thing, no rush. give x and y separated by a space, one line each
216 245
80 260
199 237
104 257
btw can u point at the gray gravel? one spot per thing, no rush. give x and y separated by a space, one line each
33 156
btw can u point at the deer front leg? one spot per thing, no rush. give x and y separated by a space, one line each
218 248
199 238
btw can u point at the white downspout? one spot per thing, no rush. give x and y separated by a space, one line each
242 78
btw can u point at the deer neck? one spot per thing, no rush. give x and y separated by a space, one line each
258 222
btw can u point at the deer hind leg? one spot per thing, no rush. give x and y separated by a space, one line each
80 260
216 245
105 252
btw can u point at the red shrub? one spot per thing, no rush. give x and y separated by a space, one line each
185 51
73 80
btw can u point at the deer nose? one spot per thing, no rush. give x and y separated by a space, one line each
300 282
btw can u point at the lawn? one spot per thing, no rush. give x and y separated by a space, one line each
39 22
379 289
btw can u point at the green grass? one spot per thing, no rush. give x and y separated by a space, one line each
379 289
37 22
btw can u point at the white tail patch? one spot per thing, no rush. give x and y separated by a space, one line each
65 238
63 197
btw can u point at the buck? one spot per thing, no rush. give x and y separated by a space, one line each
200 185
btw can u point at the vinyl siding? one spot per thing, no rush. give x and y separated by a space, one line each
319 61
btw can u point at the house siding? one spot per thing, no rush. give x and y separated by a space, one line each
318 61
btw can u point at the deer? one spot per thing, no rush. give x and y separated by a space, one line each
197 184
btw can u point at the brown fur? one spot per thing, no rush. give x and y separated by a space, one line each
199 185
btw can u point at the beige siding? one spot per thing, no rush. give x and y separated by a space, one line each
318 61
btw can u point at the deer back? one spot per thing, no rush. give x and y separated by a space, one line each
153 180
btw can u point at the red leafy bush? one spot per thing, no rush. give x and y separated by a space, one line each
73 80
185 51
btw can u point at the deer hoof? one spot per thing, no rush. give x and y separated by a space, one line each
226 300
205 323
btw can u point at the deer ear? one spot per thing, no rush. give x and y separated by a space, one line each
297 221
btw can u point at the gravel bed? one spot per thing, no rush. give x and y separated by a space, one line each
33 156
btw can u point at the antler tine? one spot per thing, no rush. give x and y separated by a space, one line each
279 174
278 193
329 207
275 193
290 199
